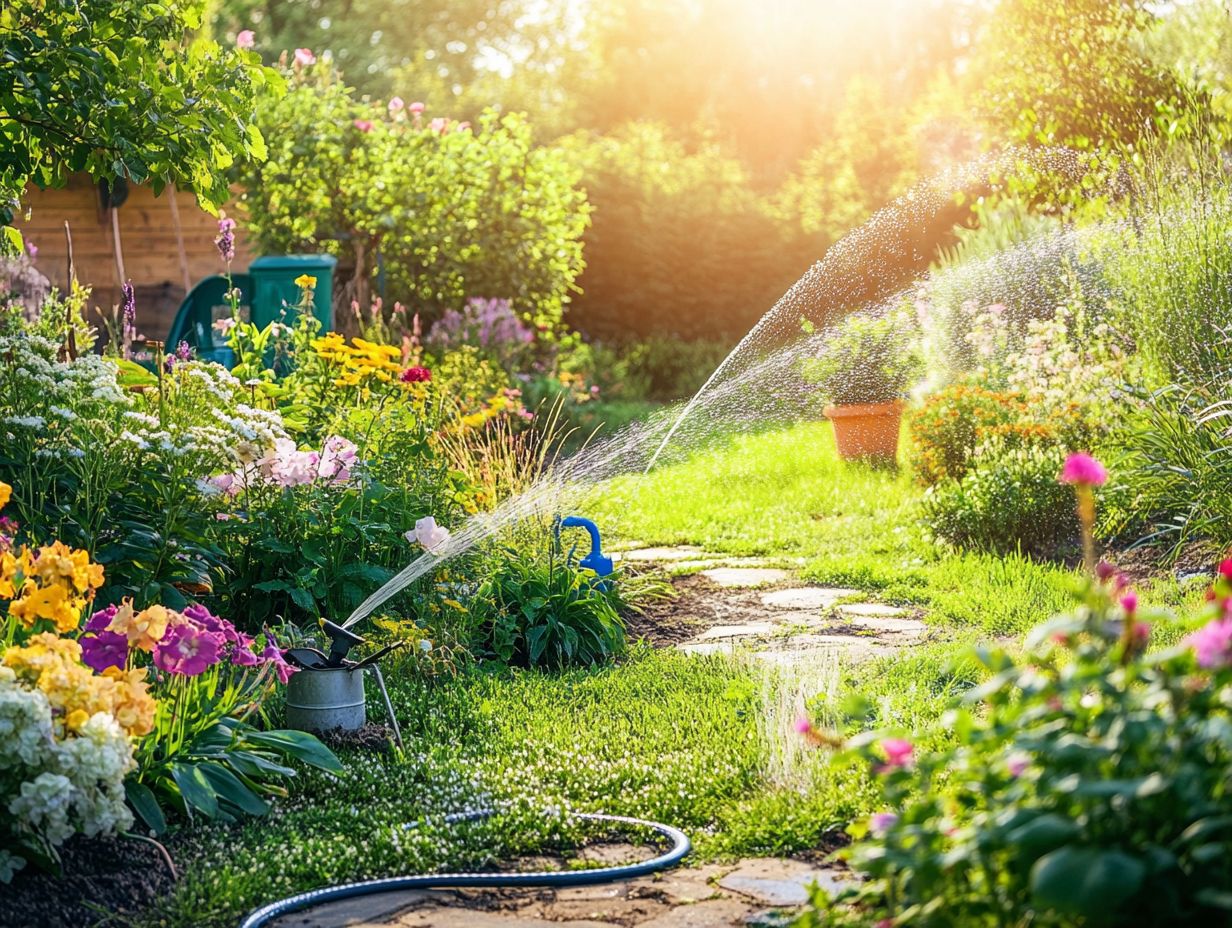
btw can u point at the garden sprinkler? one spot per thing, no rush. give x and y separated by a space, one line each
596 560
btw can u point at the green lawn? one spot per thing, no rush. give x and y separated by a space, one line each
699 742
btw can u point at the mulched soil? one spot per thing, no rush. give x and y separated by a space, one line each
1196 559
103 878
369 738
699 604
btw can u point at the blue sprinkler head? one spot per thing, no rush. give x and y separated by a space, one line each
596 560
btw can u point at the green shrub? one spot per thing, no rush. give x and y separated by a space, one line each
866 359
1009 500
438 212
549 614
1085 783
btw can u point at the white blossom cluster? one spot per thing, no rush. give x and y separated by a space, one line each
56 788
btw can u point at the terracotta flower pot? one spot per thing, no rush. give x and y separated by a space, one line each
867 432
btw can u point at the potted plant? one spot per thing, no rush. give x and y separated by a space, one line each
865 366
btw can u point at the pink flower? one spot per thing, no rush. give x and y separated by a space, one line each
187 649
273 656
224 325
439 125
1104 571
1129 602
32 250
338 456
881 822
245 39
1213 644
898 752
802 725
1225 569
428 534
304 57
104 649
1083 470
416 375
363 125
228 484
1141 633
287 466
1017 763
416 107
396 105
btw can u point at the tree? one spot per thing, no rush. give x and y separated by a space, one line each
1071 74
113 88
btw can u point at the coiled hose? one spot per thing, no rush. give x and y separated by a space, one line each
681 846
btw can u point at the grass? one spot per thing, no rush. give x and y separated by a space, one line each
697 742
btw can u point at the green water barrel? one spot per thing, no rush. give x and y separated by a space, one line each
273 285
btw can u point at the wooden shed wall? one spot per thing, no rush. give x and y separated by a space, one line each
151 257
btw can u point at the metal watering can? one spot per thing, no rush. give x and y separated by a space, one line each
328 692
596 560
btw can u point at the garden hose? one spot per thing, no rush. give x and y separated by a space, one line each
680 848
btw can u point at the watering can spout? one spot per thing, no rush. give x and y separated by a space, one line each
596 560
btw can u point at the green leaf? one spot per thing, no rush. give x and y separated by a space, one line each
229 789
1042 834
143 802
300 745
195 789
1086 881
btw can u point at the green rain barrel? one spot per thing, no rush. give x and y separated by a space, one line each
273 285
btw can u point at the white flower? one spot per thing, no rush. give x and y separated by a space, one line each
428 534
28 422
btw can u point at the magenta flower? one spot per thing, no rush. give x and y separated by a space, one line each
104 649
898 752
1129 602
416 374
304 57
187 649
225 242
1083 470
101 619
881 822
1225 569
245 38
1213 644
802 725
273 656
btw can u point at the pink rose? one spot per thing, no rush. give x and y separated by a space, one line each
245 39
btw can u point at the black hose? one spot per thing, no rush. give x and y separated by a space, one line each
681 846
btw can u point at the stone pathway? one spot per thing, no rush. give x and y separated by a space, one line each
747 605
756 893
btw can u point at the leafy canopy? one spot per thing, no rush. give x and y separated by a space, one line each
114 88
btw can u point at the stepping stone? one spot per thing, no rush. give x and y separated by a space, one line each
706 648
775 882
460 917
682 553
809 597
751 630
714 913
683 886
872 610
733 577
357 911
890 626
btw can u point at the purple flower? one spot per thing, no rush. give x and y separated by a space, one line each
1083 470
105 649
881 822
212 623
188 649
273 656
226 239
182 353
101 619
32 250
128 303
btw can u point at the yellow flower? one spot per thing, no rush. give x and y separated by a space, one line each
132 705
305 281
6 493
76 719
57 561
8 574
144 629
47 602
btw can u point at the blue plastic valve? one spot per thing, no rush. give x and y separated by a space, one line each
596 560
